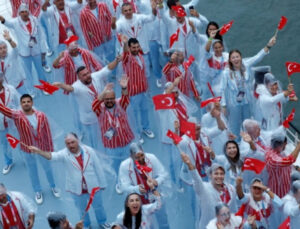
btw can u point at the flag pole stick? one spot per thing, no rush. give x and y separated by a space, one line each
276 32
23 144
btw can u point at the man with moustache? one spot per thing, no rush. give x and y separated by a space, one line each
86 89
115 129
83 173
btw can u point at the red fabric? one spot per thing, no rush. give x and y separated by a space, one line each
279 169
184 28
188 128
292 67
248 210
137 82
12 140
189 62
215 64
181 112
9 214
211 100
253 164
69 66
225 195
202 159
79 159
142 179
186 84
117 119
42 140
225 28
286 224
115 5
63 20
164 101
289 119
29 27
92 88
143 168
2 66
179 11
282 22
174 37
47 87
93 192
2 97
96 30
174 137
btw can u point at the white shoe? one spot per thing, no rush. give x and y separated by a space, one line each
149 133
141 140
118 190
47 68
7 169
105 226
49 53
158 83
55 192
39 198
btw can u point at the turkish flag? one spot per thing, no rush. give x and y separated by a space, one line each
93 192
47 87
71 39
115 5
225 28
143 168
12 140
174 136
290 118
174 37
282 23
179 11
286 224
211 100
188 128
292 67
253 164
164 101
189 62
292 94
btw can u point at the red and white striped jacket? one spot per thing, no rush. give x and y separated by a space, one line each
33 5
96 30
186 84
137 82
279 169
115 119
69 66
41 139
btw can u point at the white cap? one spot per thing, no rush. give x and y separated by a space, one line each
23 7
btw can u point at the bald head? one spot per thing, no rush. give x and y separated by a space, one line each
109 98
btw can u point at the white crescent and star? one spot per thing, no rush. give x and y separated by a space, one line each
12 140
291 67
169 100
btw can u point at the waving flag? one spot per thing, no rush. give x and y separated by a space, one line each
286 224
115 5
164 101
47 87
292 67
253 164
179 11
189 62
290 118
225 28
282 23
188 128
12 140
174 37
92 195
174 137
211 100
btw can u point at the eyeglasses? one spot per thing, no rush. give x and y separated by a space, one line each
109 99
225 214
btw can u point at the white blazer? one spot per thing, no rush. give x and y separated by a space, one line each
23 36
24 206
85 97
92 170
72 9
291 209
11 101
127 177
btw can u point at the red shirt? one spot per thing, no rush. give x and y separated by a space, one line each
11 217
29 27
80 162
2 97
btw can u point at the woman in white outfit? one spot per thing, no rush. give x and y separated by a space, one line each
136 215
237 86
224 219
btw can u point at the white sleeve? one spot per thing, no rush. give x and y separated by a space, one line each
277 202
198 184
145 18
249 62
268 100
151 208
56 156
290 208
101 74
223 88
212 132
74 5
125 182
27 204
161 172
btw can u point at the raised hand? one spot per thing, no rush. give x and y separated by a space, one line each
124 81
6 35
246 137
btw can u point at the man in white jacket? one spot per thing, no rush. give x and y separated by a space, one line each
291 205
133 179
17 211
83 173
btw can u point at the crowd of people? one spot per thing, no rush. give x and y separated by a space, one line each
219 118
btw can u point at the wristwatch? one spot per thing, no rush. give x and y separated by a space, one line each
267 190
